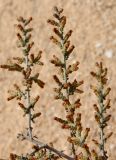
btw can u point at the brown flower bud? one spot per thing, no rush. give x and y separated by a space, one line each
70 117
20 60
63 21
56 31
66 102
13 156
35 116
57 80
56 61
20 27
93 74
56 16
70 49
30 46
54 40
19 37
86 134
11 97
67 36
39 82
96 108
60 120
97 118
28 30
22 106
21 19
107 105
67 44
95 142
107 92
65 126
28 21
32 58
52 22
77 103
107 118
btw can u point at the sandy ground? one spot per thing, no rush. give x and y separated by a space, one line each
94 34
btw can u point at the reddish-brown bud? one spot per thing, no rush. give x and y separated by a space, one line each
19 37
21 19
20 27
56 31
77 103
57 80
28 21
63 21
66 102
54 40
22 106
67 36
52 22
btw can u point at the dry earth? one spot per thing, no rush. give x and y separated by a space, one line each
94 35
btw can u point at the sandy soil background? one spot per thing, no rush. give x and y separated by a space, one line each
94 34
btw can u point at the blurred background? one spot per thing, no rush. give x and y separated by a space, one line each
94 34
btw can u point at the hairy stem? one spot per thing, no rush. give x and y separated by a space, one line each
101 104
28 104
66 80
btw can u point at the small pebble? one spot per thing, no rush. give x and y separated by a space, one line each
109 53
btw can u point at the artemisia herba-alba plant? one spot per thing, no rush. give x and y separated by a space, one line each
101 91
66 88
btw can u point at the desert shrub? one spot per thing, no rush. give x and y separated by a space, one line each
65 90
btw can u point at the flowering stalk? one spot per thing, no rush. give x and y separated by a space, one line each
24 65
103 105
66 88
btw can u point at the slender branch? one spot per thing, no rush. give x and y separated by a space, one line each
28 104
101 104
66 79
42 145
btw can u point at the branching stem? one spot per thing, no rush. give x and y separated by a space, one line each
42 145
